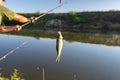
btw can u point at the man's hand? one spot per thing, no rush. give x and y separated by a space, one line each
32 19
18 28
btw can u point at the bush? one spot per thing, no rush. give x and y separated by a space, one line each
73 17
14 76
76 20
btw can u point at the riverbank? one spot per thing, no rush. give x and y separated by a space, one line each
76 21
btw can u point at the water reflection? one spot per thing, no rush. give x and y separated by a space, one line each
96 38
12 51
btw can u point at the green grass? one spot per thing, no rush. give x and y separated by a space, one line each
14 76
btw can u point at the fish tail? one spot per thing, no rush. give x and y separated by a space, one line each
58 59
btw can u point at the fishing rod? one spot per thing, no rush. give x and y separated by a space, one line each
36 18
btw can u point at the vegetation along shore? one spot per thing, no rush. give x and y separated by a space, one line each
75 21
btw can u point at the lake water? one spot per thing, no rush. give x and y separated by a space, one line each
84 56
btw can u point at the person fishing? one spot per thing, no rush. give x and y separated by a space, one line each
4 11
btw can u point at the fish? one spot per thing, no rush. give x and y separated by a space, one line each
59 45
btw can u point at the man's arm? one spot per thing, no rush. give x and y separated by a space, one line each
20 18
10 28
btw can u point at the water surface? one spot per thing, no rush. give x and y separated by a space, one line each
84 56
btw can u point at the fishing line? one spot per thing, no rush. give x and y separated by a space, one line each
60 24
46 13
13 50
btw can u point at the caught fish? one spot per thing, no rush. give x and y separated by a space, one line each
59 45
